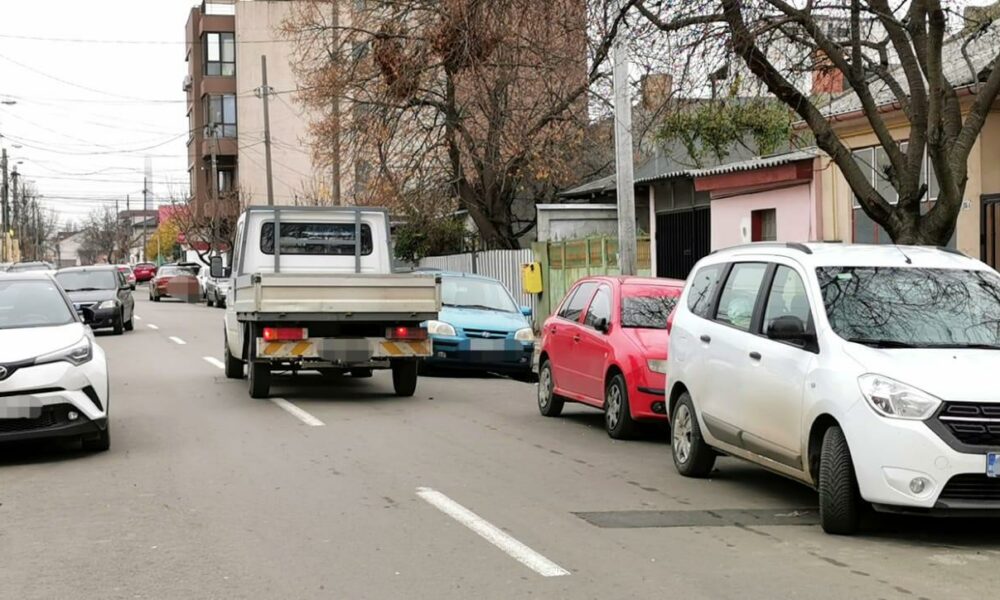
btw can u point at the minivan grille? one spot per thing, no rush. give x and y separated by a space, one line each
972 423
972 486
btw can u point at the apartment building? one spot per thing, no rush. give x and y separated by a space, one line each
225 42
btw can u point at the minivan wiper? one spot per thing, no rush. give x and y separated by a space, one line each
883 343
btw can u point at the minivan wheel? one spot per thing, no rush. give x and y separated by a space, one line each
617 413
549 404
839 498
692 456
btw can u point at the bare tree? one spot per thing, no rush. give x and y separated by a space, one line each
917 61
34 224
211 228
474 103
102 235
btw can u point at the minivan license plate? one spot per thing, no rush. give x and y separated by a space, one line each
993 464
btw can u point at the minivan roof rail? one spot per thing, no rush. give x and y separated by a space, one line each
790 245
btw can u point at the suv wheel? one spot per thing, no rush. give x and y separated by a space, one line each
549 404
692 456
839 498
617 413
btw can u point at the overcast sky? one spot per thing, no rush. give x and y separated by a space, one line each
89 111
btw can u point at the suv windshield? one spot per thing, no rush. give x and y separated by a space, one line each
85 281
913 307
465 292
647 308
32 304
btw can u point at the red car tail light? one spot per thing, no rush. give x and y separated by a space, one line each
285 334
406 333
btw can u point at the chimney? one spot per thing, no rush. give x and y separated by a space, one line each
826 78
656 89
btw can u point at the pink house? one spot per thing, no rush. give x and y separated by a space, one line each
775 198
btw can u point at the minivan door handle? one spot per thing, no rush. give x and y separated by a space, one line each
706 338
755 355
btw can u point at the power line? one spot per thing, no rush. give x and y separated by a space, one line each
36 38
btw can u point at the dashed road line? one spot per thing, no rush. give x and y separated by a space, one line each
177 340
151 326
298 413
214 361
137 317
492 534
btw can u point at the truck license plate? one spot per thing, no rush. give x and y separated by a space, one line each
993 464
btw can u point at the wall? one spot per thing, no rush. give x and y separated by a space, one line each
504 265
558 222
793 206
295 179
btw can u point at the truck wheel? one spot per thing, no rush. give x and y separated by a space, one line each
234 366
839 498
404 377
259 372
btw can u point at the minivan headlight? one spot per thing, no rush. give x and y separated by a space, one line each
440 328
76 355
525 335
896 400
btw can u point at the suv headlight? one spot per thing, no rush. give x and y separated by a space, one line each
440 328
107 304
896 400
76 355
525 335
657 366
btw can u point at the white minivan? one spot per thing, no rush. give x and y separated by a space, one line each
868 372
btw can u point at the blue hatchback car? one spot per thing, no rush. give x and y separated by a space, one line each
481 327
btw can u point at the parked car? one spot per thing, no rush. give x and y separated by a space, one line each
103 293
129 275
175 281
480 326
144 271
31 265
216 291
867 372
53 375
606 347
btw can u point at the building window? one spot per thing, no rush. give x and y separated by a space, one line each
227 180
220 54
220 116
764 225
874 163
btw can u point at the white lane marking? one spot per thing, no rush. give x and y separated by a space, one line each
214 362
298 413
492 534
137 317
151 326
177 340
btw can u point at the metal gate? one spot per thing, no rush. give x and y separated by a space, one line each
989 232
682 239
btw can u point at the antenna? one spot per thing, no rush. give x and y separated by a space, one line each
900 250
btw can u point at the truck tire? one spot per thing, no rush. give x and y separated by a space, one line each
259 373
404 377
234 366
839 498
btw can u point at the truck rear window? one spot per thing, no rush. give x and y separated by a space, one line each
316 238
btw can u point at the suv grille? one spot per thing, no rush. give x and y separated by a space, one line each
971 423
972 487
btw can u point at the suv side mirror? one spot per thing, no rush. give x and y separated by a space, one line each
216 269
789 328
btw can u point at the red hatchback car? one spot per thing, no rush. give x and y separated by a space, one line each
606 346
144 271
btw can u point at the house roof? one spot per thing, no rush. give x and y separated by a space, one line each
764 162
981 51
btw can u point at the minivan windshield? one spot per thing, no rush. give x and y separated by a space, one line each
892 307
32 304
87 281
467 292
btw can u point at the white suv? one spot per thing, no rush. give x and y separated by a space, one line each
868 372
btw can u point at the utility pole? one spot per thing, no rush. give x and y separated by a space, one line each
145 219
14 199
264 92
3 204
623 160
117 238
213 215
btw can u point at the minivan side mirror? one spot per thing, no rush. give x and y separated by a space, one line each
526 311
216 269
789 328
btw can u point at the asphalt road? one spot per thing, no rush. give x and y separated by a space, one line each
463 491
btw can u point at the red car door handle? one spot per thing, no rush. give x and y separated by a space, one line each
576 338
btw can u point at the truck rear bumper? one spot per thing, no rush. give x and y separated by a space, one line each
342 350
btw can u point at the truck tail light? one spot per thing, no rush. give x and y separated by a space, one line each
285 334
406 333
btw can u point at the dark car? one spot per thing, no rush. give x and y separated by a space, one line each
103 291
